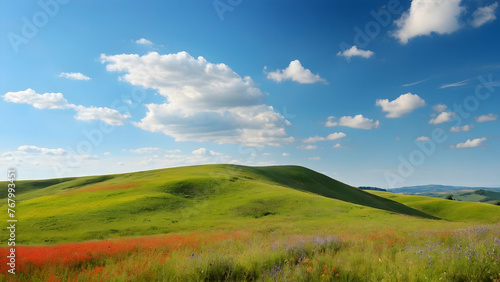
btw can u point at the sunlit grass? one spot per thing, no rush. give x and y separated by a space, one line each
239 223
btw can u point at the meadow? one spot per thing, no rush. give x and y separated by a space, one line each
227 222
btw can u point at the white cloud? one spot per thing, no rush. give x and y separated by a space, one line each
204 101
358 121
337 146
44 151
354 51
439 108
466 127
422 138
427 16
30 158
314 158
107 153
285 154
56 101
296 72
333 136
307 147
415 83
488 117
39 101
442 117
153 150
107 115
146 150
214 153
74 75
89 157
200 151
143 41
484 15
455 84
266 154
313 139
470 143
402 105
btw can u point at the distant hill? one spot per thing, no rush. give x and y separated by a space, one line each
435 189
372 188
447 209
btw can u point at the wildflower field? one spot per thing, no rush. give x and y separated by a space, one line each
241 224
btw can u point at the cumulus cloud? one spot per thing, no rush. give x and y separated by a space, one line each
307 147
285 154
295 72
107 115
338 146
455 84
428 16
44 151
354 51
333 136
466 127
488 117
56 101
74 75
144 41
39 101
470 143
358 121
35 158
422 138
204 101
401 106
484 15
314 158
440 108
214 153
442 117
200 151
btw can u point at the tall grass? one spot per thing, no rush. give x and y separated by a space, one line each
467 254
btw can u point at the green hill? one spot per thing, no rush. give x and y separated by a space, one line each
193 198
447 209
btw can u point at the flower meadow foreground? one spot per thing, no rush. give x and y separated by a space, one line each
465 254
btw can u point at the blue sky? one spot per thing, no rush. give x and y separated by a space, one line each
377 93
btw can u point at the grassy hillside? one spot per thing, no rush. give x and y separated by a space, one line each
236 223
447 209
479 196
192 198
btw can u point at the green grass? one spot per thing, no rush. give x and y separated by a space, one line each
193 198
283 213
447 209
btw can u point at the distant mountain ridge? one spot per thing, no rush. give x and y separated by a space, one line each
432 188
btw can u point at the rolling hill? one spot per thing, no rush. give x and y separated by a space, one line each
189 199
422 189
239 223
447 209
